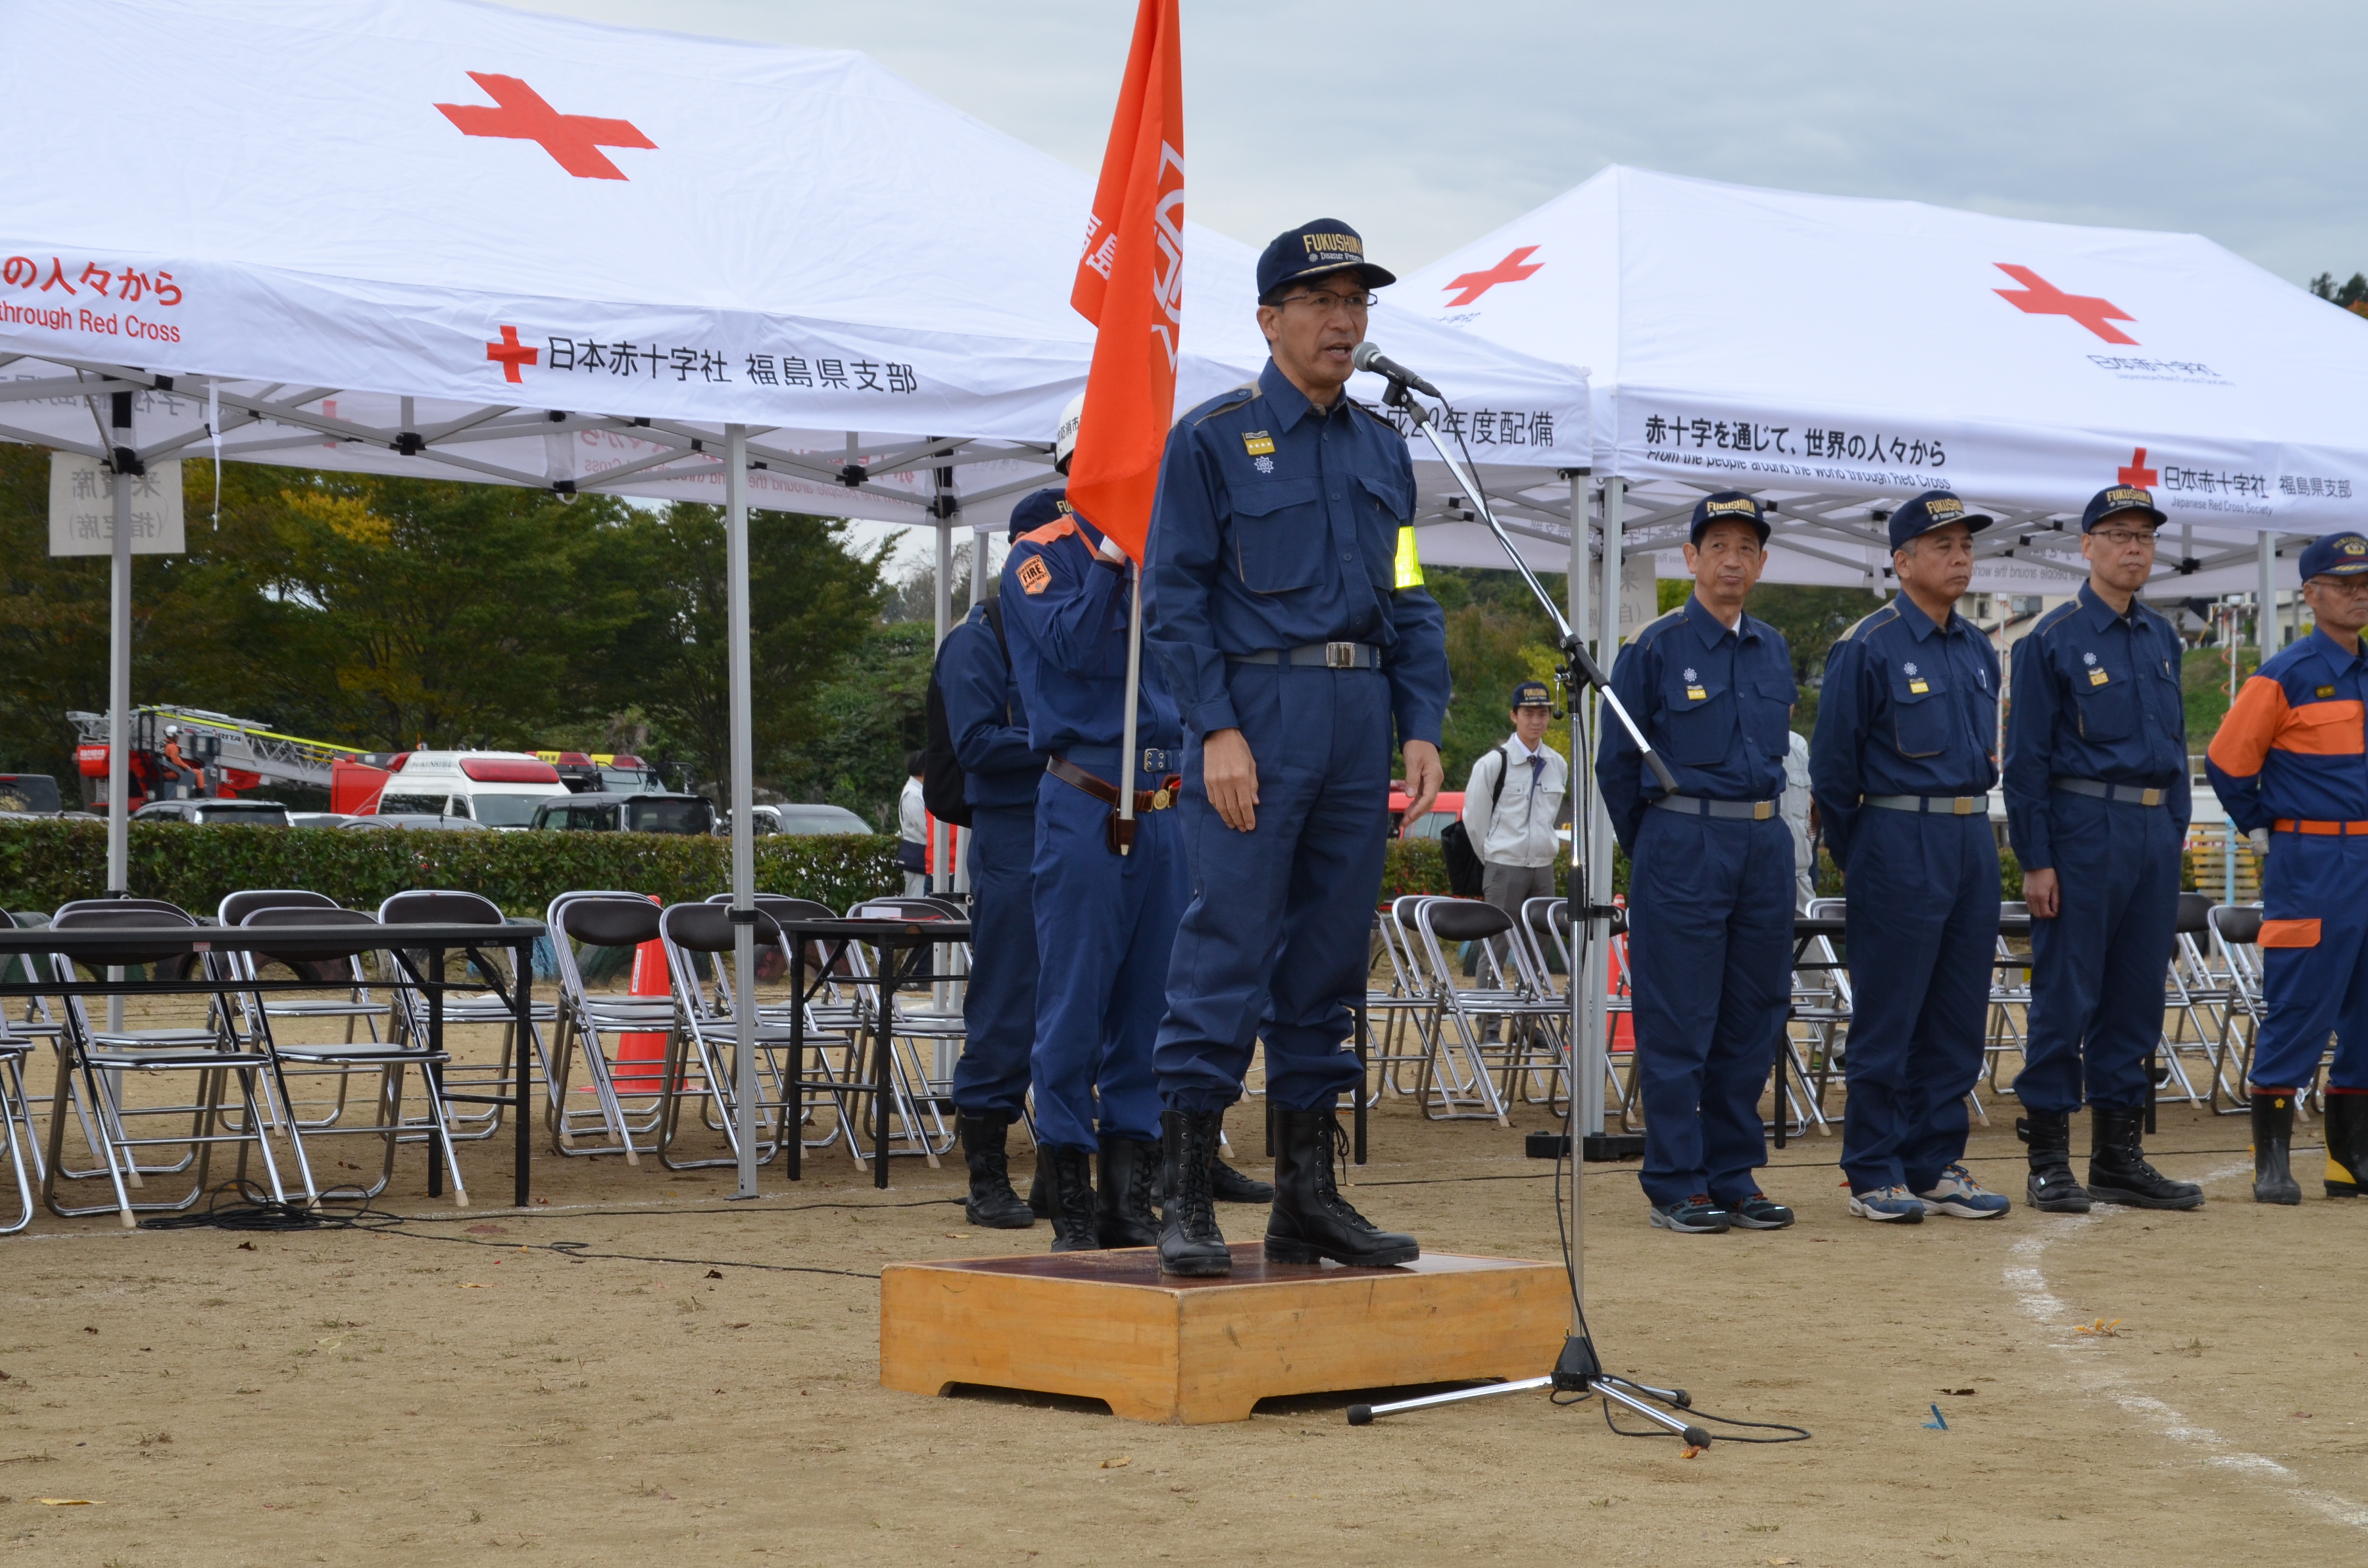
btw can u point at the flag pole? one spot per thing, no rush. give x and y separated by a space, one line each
1126 739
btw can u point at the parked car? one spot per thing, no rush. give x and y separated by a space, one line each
609 811
412 822
799 818
318 818
1444 810
493 789
33 794
252 814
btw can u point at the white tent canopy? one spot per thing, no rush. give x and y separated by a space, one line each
435 238
1838 355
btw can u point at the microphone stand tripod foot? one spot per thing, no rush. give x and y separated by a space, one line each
1577 1371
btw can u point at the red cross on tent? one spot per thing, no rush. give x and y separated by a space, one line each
574 140
2138 474
1509 270
510 354
2041 298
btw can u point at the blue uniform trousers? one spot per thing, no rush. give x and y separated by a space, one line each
1277 939
1922 925
1105 924
999 1003
2097 969
2322 987
1709 964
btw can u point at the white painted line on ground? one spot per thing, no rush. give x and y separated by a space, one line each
2024 1278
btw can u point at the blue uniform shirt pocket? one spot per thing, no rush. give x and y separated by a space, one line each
1279 535
1697 718
1769 716
1919 714
2104 713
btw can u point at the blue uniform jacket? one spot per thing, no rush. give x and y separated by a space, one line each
2292 744
1066 612
1716 704
2096 695
1276 526
1907 708
988 717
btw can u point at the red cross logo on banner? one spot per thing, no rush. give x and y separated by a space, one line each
1509 270
2038 297
2138 474
510 354
574 140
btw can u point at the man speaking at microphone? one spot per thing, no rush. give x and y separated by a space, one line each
1296 637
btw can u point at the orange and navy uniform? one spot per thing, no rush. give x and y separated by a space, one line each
2291 757
2291 748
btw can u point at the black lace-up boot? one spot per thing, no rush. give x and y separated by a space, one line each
1130 1178
991 1203
1227 1185
2052 1187
2118 1172
1310 1220
1190 1242
1076 1219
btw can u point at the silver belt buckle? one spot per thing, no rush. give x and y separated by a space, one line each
1339 655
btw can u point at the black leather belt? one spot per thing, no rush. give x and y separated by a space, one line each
2097 788
1154 762
1695 806
1318 656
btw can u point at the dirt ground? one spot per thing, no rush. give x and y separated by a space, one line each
635 1366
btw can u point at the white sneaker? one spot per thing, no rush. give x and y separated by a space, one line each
1960 1195
1895 1204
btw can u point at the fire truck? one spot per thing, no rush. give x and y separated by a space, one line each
233 756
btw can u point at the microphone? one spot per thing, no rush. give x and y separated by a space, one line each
1368 357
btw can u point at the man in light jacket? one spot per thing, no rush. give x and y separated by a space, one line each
1513 803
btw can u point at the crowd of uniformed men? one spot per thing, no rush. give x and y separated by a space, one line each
1125 971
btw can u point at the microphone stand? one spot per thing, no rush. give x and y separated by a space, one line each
1579 1369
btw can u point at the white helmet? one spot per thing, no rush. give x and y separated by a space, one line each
172 729
1064 440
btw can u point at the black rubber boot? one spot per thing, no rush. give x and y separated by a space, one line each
1130 1177
1076 1219
1040 1193
2118 1172
1227 1185
991 1203
2273 1179
2347 1143
1190 1242
2052 1187
1310 1220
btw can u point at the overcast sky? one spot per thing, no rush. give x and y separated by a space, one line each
1427 124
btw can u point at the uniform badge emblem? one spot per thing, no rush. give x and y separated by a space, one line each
2098 678
1918 688
1692 678
1257 443
1034 575
2325 691
1264 465
1696 694
1909 668
2090 659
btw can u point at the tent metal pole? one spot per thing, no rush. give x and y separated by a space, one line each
744 841
119 675
2266 630
1587 819
941 860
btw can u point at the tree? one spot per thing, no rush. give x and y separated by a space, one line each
867 720
2352 295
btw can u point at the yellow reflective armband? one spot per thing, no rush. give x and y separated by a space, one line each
1409 572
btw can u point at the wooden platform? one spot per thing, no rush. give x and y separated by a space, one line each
1109 1325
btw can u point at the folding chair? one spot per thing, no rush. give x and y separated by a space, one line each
16 1114
465 1083
2196 997
833 1022
1455 1078
387 1058
91 1068
596 1022
909 1024
1823 1003
1405 999
356 1005
1548 922
2235 942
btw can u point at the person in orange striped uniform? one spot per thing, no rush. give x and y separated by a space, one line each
2290 764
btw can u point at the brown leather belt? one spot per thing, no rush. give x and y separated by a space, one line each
1076 778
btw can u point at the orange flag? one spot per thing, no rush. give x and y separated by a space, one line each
1130 285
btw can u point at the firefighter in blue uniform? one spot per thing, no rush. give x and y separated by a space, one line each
1285 603
1710 902
1901 767
2290 764
988 718
2096 803
1105 921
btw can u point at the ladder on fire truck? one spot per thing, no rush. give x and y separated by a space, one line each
245 743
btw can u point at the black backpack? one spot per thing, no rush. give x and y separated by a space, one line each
942 779
1463 874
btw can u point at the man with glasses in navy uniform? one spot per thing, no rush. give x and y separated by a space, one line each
1901 768
1284 601
2096 803
1710 899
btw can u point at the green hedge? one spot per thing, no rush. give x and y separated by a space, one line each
45 864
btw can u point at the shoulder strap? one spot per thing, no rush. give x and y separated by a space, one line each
993 609
1504 766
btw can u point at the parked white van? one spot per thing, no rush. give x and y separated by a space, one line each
493 789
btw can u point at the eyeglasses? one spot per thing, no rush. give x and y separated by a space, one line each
1326 300
2356 585
2122 538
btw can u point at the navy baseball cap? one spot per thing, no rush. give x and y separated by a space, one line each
1531 694
1933 509
2116 499
1728 506
1036 508
2335 555
1317 249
